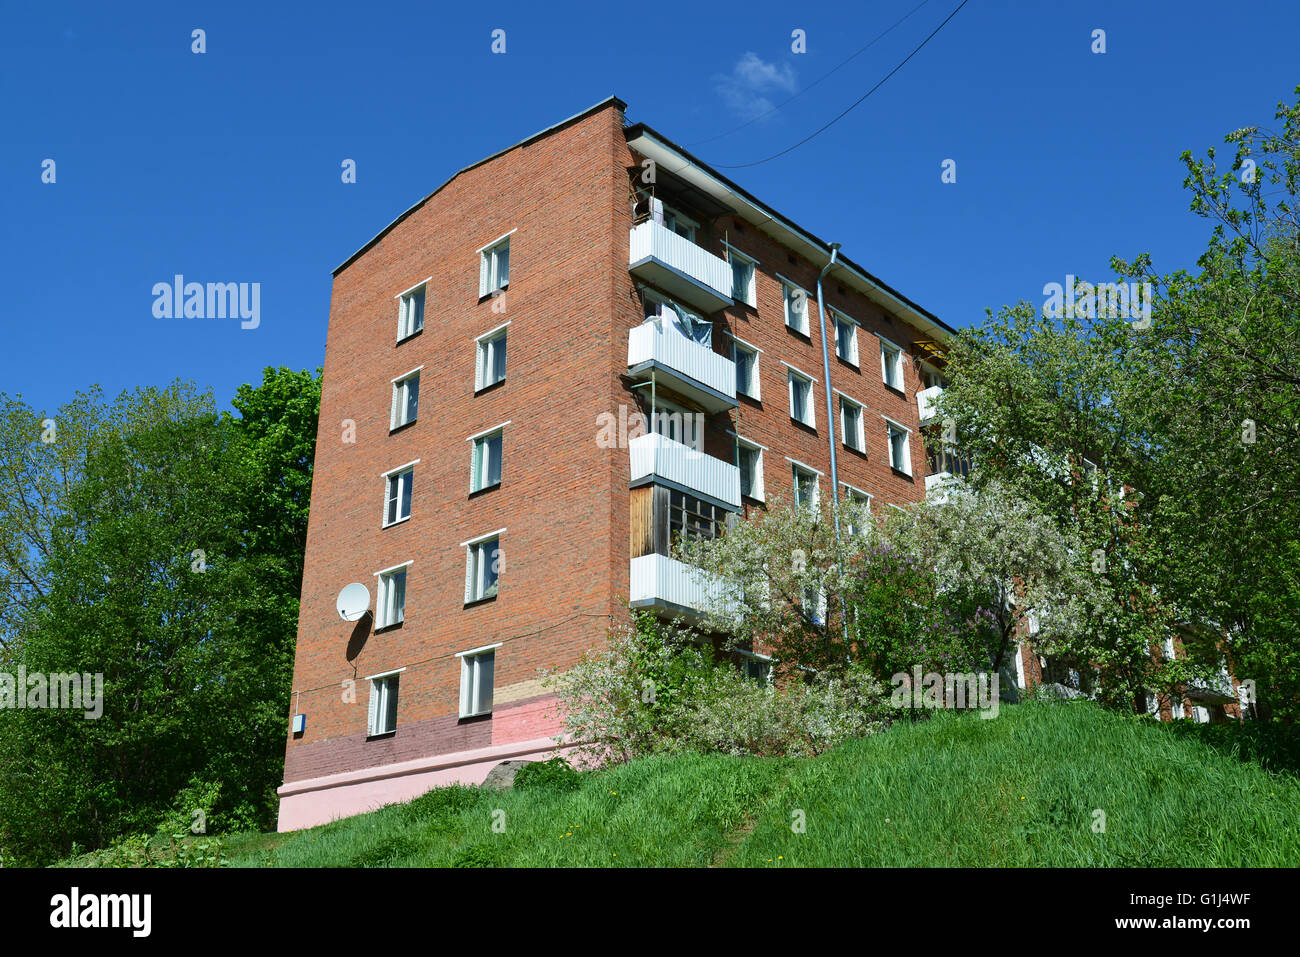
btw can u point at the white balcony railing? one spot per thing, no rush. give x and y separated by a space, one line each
1215 690
690 272
656 457
925 403
659 581
702 373
938 486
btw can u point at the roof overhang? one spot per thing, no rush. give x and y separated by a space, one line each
680 164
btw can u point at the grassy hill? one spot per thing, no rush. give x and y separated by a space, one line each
1023 789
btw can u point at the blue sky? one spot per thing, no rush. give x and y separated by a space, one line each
225 166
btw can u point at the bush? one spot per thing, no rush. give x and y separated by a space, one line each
553 775
655 690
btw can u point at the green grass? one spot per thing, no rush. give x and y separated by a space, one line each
957 790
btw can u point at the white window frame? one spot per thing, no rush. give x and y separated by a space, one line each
797 466
787 288
754 352
388 478
890 425
485 347
765 661
478 463
381 693
888 350
839 319
791 374
489 265
471 663
404 330
400 401
678 217
476 552
692 428
756 483
387 610
859 434
853 493
750 298
819 605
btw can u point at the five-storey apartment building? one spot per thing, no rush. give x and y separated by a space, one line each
534 378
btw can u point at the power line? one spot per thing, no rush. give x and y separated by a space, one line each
855 102
842 64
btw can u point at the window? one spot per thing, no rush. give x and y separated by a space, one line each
932 378
756 667
805 486
691 517
482 568
383 705
683 226
406 400
390 608
746 359
891 365
860 499
813 602
485 469
494 267
674 422
749 459
796 308
397 503
491 365
900 455
410 313
477 672
851 425
846 338
801 407
742 277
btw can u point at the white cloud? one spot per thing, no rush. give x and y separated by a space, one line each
746 89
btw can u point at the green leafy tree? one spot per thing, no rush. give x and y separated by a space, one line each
171 571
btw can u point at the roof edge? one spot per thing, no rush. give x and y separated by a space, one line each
638 129
554 128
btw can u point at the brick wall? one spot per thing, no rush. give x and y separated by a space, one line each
563 500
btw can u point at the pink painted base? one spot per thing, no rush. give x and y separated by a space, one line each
320 800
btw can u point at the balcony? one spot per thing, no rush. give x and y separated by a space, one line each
944 471
679 267
1216 690
682 364
669 585
925 404
662 461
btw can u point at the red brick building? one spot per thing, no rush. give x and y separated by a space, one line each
481 466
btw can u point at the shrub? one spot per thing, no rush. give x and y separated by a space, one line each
553 775
656 690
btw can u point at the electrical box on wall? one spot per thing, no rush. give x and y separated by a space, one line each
299 723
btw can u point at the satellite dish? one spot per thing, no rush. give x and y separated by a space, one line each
354 601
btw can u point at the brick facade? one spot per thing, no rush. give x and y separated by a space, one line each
563 502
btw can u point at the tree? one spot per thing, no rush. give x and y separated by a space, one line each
170 574
996 555
1160 444
42 455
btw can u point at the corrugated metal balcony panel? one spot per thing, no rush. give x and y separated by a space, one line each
684 364
656 458
679 267
658 581
925 403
